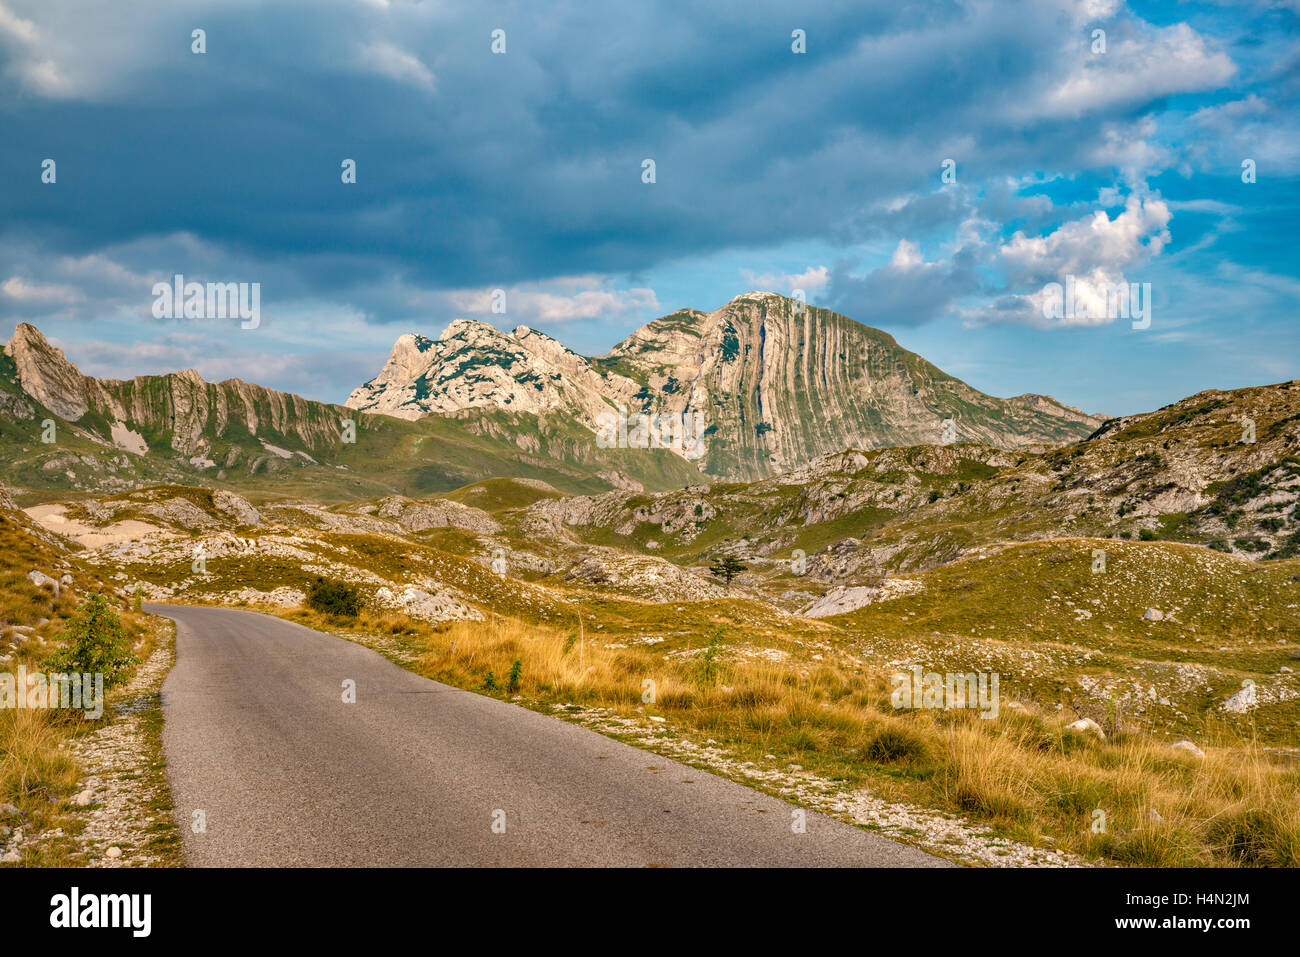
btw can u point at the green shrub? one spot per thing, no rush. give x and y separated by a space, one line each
97 644
336 599
708 667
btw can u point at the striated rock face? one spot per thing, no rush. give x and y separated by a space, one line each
775 384
181 404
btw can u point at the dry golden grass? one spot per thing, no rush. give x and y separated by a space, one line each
36 774
32 768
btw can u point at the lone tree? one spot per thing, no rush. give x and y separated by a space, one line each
95 643
727 567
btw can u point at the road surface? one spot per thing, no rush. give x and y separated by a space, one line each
415 773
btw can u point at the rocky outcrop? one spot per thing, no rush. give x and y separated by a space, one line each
236 507
46 374
840 601
436 513
773 384
196 415
472 365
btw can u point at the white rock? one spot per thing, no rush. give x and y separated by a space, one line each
113 852
1154 816
1189 747
237 507
1087 724
11 857
1153 614
84 798
40 580
1241 702
840 600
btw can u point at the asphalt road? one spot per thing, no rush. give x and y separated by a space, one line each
416 773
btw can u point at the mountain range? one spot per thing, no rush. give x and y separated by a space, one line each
775 383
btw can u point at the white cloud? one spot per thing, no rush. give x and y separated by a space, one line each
1217 207
1252 128
561 300
1131 148
1095 242
813 279
28 65
392 61
1090 257
15 287
15 27
1141 63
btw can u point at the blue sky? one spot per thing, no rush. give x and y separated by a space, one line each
774 170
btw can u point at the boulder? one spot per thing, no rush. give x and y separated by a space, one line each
1189 747
237 507
1153 614
1087 725
40 580
1241 702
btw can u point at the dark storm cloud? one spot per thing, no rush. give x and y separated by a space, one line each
478 169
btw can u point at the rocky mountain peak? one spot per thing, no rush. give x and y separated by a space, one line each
46 374
469 329
474 365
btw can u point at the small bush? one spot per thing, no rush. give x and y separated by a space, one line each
97 644
516 672
708 668
336 599
893 744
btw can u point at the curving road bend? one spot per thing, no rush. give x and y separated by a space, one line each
415 773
